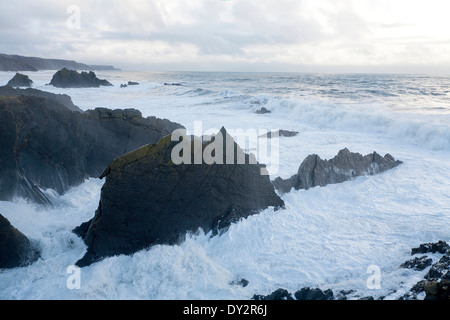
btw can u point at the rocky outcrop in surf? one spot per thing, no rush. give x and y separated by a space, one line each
66 78
315 172
16 249
45 145
147 199
20 80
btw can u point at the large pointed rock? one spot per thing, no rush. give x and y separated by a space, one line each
314 171
147 199
20 80
15 248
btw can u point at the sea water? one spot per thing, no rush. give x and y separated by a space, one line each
326 237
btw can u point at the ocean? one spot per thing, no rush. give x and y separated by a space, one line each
329 237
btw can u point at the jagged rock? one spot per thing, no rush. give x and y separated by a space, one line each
16 249
279 133
314 294
440 246
440 270
147 199
63 99
346 165
279 294
263 110
45 145
437 279
20 80
418 264
123 85
66 78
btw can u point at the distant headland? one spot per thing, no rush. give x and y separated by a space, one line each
21 63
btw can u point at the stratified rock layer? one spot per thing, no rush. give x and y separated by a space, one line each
45 145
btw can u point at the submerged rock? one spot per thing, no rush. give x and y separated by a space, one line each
66 78
314 171
133 83
147 199
20 80
263 110
16 249
45 145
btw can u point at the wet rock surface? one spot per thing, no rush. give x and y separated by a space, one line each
45 145
148 200
16 249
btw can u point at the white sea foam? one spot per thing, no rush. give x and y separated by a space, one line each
326 237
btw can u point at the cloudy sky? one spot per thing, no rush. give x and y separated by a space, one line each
234 35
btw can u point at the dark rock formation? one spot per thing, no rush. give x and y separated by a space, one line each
279 294
66 78
418 264
440 246
440 270
133 83
15 248
302 294
45 145
123 85
314 294
21 63
263 110
148 200
346 165
173 84
20 80
438 290
50 98
279 133
437 280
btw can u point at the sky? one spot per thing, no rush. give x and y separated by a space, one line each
234 35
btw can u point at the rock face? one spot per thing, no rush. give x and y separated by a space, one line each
20 80
51 98
45 145
15 248
66 78
148 200
346 165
